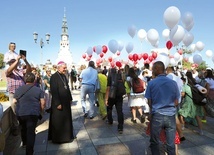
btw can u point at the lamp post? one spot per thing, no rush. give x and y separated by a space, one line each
47 37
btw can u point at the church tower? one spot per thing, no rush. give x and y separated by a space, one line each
64 52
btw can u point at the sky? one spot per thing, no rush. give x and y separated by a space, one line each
96 22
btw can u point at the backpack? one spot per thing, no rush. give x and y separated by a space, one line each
197 97
117 88
138 85
73 73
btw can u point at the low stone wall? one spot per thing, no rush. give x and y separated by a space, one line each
7 118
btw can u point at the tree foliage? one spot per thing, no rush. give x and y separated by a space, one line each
1 61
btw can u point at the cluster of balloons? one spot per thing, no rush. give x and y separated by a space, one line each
99 50
173 35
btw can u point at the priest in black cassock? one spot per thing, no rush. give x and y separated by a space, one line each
60 125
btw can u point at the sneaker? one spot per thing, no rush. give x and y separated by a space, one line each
204 121
108 122
134 120
142 119
86 114
91 117
104 117
182 139
120 131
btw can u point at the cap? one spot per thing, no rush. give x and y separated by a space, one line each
60 63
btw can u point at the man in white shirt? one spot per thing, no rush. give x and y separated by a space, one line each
11 54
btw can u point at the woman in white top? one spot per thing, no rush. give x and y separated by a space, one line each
136 100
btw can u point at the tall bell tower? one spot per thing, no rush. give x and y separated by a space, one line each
64 53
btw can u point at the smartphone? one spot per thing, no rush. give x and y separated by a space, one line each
23 52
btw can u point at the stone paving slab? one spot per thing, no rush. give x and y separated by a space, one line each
96 137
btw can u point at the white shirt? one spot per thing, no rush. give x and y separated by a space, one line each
10 55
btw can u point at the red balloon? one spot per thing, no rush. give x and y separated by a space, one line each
110 59
88 58
154 55
145 56
104 48
151 58
169 45
180 52
135 57
112 64
84 56
118 64
101 55
130 57
118 53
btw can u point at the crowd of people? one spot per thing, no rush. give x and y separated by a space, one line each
166 103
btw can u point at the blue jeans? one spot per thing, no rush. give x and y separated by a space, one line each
159 122
88 90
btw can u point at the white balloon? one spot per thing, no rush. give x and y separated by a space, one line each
141 34
152 36
197 59
98 49
191 59
164 58
192 48
176 35
177 56
199 46
89 51
165 34
113 46
129 47
209 53
120 45
187 19
188 39
171 16
189 27
172 62
132 30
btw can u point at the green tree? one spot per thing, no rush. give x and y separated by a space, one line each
1 61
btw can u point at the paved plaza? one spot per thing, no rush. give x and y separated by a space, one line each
96 137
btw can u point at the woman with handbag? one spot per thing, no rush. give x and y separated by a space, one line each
29 101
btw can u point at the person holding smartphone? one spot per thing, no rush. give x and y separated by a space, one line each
15 79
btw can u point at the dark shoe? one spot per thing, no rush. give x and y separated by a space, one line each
91 117
86 114
104 117
120 131
110 123
142 119
97 104
134 120
182 139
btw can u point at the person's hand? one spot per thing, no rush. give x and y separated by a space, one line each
59 107
23 57
106 102
19 57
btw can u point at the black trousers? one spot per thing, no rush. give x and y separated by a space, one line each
28 125
118 102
